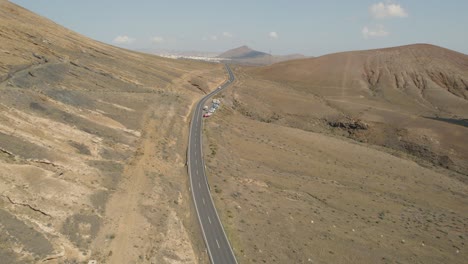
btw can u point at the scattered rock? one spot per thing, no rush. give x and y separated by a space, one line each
349 124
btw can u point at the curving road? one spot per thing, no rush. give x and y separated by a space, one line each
216 241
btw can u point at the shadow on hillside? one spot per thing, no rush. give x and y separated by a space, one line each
460 122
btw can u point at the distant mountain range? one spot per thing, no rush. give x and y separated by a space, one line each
241 55
242 52
248 56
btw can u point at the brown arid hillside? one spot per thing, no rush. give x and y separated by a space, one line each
355 157
412 97
419 76
92 148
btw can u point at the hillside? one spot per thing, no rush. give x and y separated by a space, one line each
246 56
424 75
92 148
355 157
417 88
242 52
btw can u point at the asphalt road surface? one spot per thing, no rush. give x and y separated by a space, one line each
216 241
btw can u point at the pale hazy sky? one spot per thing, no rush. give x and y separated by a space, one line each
310 27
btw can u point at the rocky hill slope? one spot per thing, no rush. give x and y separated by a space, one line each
92 143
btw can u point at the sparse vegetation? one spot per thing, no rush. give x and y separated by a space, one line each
213 149
381 215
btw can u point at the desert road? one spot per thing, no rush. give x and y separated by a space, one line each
216 241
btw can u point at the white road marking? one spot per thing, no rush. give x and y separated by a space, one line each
197 137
